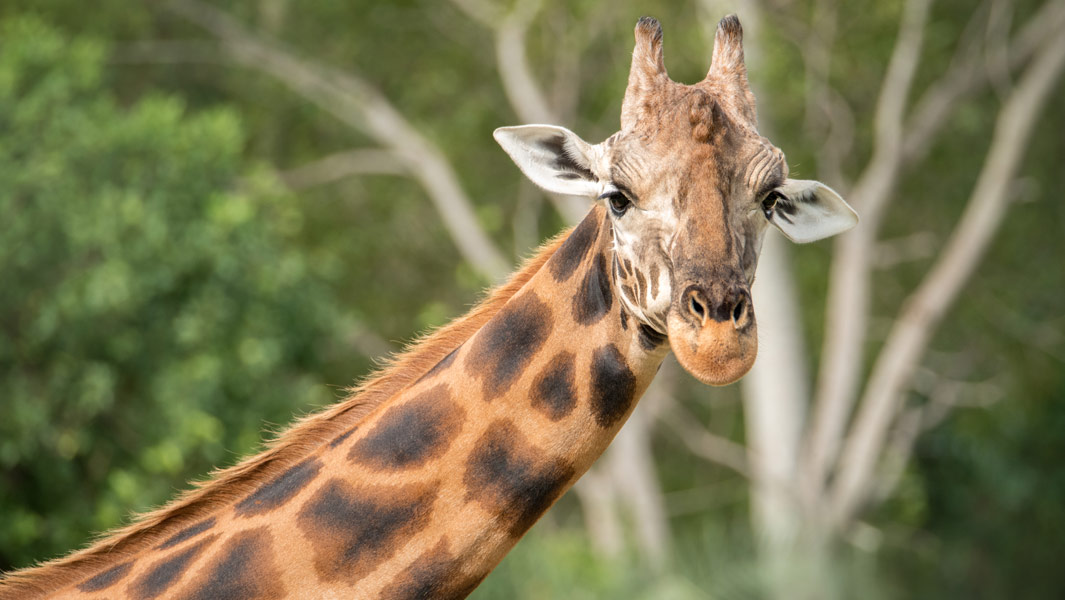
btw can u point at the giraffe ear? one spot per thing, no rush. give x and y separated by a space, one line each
807 211
554 158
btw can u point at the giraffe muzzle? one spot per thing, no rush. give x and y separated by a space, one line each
714 335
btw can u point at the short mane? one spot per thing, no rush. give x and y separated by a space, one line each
229 485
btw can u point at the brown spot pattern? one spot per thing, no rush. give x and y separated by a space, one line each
569 256
410 434
245 568
613 386
355 528
554 391
187 533
280 489
106 579
594 297
166 572
502 349
512 479
435 575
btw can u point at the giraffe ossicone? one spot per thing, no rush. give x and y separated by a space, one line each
418 483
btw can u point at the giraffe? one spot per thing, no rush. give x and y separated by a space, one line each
425 475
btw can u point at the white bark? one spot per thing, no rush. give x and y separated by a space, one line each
775 394
331 168
922 313
631 466
524 93
598 502
847 310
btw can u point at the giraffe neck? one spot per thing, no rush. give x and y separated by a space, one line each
426 493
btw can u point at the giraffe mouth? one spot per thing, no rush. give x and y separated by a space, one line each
715 349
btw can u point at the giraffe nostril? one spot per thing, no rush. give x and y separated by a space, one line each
697 306
739 313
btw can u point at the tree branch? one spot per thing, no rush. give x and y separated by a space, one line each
996 44
943 397
909 336
702 443
915 246
523 92
357 104
967 76
631 465
520 85
775 395
828 117
847 309
362 161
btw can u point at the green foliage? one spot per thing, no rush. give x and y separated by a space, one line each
156 306
562 564
710 560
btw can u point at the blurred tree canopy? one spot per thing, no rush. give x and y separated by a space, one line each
182 272
158 304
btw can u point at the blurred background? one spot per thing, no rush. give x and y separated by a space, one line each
214 216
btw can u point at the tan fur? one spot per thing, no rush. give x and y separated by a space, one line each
229 485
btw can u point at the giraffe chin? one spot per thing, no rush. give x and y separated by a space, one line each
715 353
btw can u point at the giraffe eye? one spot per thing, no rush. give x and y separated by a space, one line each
770 202
618 202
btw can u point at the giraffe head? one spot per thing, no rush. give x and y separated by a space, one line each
690 187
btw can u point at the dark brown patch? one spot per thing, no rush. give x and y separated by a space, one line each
512 479
106 579
502 349
441 366
166 572
554 390
627 290
594 298
356 528
280 489
574 249
613 386
245 569
411 433
627 267
654 280
624 319
187 533
435 575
